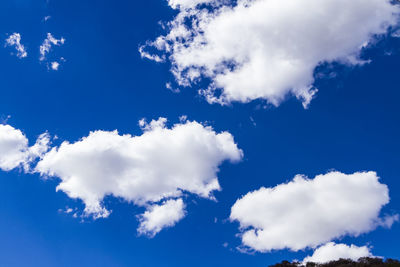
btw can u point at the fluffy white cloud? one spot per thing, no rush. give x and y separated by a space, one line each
161 216
15 40
266 49
310 212
54 65
48 43
15 151
331 251
160 164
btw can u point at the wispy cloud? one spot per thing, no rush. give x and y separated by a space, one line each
47 45
15 41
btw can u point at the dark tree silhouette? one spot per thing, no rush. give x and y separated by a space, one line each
362 262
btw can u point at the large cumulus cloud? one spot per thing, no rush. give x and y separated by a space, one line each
266 49
161 165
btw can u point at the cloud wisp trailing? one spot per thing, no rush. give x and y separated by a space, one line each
266 49
306 213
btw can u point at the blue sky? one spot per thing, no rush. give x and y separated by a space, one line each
351 125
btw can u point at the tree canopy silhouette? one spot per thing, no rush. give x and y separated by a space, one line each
362 262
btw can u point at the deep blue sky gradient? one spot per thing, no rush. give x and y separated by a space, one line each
352 125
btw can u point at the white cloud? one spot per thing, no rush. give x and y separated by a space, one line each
15 151
55 65
161 216
184 4
331 252
266 49
160 164
48 43
13 147
310 212
15 40
145 54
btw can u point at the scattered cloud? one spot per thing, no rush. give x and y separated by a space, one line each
48 43
55 65
310 212
70 211
172 89
15 151
331 252
159 165
15 41
158 217
266 49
